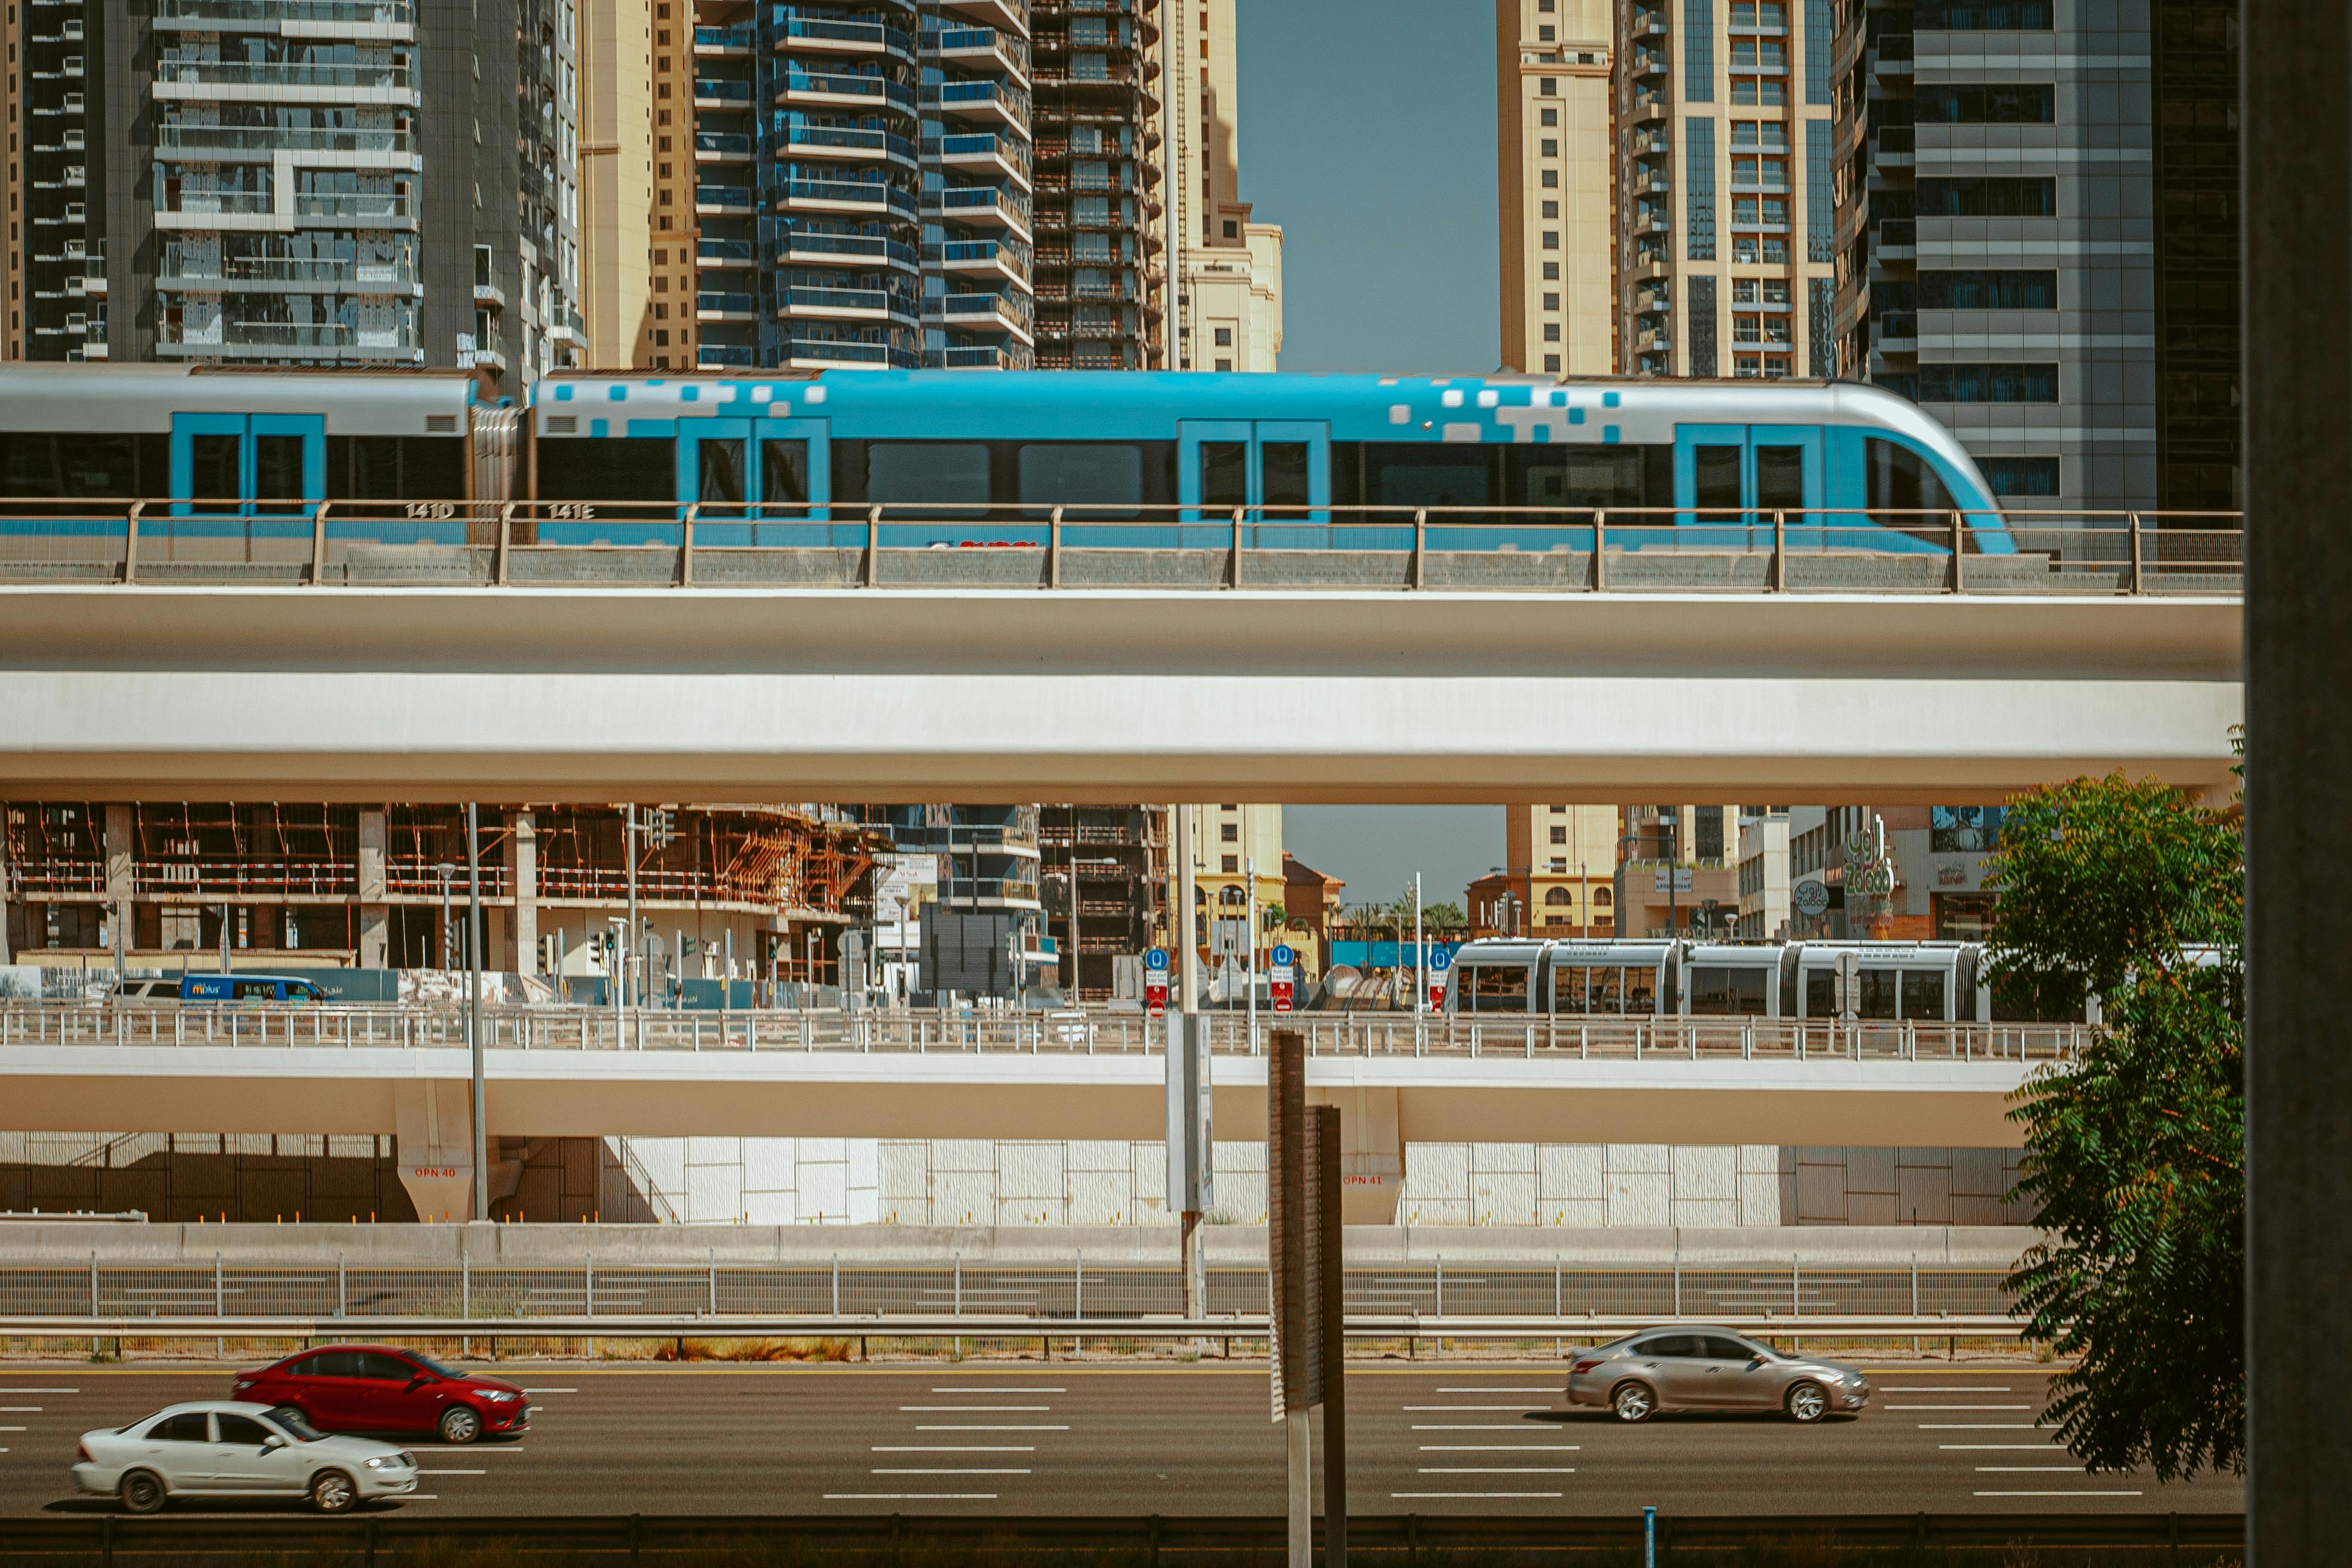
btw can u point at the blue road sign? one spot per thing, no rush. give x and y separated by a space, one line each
1156 958
1283 957
1440 959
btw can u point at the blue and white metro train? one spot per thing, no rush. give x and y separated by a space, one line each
1124 450
1924 981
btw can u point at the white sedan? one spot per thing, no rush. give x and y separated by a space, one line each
219 1448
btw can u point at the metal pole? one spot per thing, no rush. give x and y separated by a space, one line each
1649 1538
1188 981
1420 958
1078 991
474 1009
1298 1447
628 954
1249 953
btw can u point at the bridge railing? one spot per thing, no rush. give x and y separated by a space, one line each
908 1031
945 544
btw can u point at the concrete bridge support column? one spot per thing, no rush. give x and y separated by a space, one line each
375 914
122 843
433 1136
523 875
1371 1152
7 888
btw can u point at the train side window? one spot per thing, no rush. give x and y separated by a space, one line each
1568 989
1923 994
1422 473
1877 995
1281 473
1605 990
1104 478
1588 478
609 468
1748 993
1780 479
1820 994
1900 479
783 472
98 465
939 472
1641 990
1224 473
1710 991
1715 485
1496 987
278 467
718 469
28 464
213 467
432 468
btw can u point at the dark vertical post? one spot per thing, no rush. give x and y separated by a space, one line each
1289 1253
1323 1150
2297 60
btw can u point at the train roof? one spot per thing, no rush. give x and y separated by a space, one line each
142 399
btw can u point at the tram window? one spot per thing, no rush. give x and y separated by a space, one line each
1901 481
1567 990
940 472
1923 994
784 471
396 467
213 467
718 466
1715 483
1281 473
1641 990
1820 994
1422 473
1780 477
1224 473
39 464
1587 477
1496 987
612 469
1710 991
1105 477
1605 990
278 467
1877 995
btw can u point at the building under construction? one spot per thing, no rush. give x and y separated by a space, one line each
156 885
1118 855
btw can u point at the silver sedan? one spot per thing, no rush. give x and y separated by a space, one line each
224 1447
1710 1369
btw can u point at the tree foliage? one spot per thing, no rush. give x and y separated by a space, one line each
2135 1151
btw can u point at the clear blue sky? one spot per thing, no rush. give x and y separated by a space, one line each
1368 132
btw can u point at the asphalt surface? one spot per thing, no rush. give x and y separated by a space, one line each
1193 1439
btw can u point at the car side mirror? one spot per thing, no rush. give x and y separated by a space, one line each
274 1440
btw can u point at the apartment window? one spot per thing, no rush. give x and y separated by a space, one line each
1758 134
1549 180
1820 193
1698 51
1984 15
1551 117
1229 832
1551 332
1988 383
2021 476
1551 209
1224 337
1987 290
1559 833
1224 365
1551 239
1230 864
1544 34
1550 147
1551 272
1987 103
1821 297
1698 174
1762 92
1988 197
1768 172
1552 302
1546 87
1758 54
1701 324
1551 362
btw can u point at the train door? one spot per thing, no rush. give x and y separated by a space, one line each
758 481
247 465
1278 469
1735 476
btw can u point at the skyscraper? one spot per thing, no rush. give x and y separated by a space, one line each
1228 266
295 182
1556 184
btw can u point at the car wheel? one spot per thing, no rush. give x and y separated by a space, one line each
142 1492
1633 1402
332 1491
1808 1403
460 1424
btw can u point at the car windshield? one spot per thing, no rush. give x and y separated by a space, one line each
294 1424
429 1365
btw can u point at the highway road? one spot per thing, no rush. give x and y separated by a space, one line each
1126 1439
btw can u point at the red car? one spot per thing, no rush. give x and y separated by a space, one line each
379 1388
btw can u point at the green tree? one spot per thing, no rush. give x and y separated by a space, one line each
2134 1149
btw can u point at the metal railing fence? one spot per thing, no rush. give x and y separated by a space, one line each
1092 1032
821 545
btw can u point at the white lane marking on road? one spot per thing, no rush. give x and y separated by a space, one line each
551 1390
1942 1388
2027 1469
989 1472
1473 1494
1988 1448
2057 1494
950 1448
1983 1427
11 1428
1959 1408
1497 1471
453 1472
40 1391
1473 1427
1441 1407
1501 1388
1502 1448
1000 1391
969 1409
478 1450
21 1409
910 1497
1030 1426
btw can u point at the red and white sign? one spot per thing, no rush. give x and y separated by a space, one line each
1280 991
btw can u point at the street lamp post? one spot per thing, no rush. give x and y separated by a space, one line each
445 870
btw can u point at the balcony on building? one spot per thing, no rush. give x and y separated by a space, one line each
722 147
1897 333
801 243
973 356
724 201
388 148
986 48
798 193
1647 107
725 356
1651 63
984 312
324 341
710 306
846 143
981 206
255 211
1890 58
269 80
805 301
712 253
815 86
725 43
986 152
383 20
1011 14
812 352
983 103
716 92
843 37
1004 258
